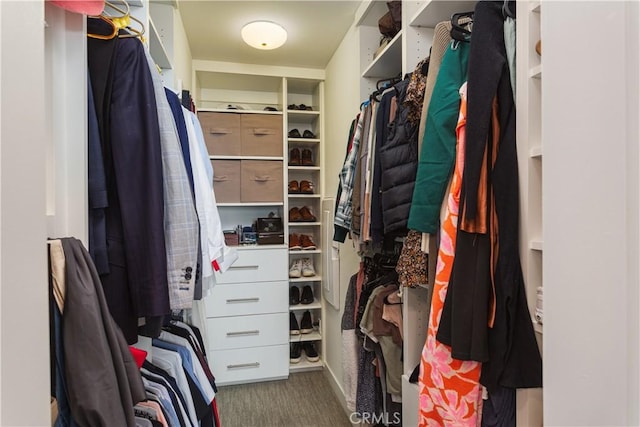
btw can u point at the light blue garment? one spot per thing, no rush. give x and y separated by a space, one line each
163 398
510 46
187 364
188 413
203 147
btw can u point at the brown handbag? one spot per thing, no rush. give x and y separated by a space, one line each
391 22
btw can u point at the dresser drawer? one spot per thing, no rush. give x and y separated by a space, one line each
261 135
225 333
242 299
257 265
222 133
226 180
261 181
251 364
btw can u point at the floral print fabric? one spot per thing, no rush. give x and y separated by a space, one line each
450 392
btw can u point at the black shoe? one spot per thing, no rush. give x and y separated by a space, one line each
294 329
308 134
306 324
294 133
295 350
310 351
307 295
294 295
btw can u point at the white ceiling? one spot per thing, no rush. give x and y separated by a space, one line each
315 29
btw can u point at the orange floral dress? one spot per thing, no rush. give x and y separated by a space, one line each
450 390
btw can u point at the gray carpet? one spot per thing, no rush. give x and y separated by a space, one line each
305 399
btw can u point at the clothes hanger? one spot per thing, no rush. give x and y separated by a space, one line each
113 34
124 21
461 31
506 11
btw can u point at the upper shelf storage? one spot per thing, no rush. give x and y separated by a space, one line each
388 62
434 11
220 90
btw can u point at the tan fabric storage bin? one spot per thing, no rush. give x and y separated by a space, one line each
261 181
226 180
261 135
221 133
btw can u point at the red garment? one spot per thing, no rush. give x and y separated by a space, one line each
139 355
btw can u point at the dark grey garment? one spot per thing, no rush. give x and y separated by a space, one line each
348 315
499 410
399 161
368 394
103 380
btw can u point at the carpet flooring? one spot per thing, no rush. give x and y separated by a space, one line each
305 399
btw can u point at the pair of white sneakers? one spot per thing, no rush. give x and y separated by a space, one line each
302 267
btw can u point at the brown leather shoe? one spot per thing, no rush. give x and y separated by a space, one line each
305 187
294 242
306 243
294 157
307 157
306 215
294 215
294 187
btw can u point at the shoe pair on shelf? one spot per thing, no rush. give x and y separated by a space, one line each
306 324
295 298
300 107
296 348
302 214
301 242
302 267
299 157
304 187
295 133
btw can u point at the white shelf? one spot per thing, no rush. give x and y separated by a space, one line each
303 252
305 279
304 224
536 245
250 204
370 12
305 365
536 72
388 63
304 168
313 336
315 305
257 247
435 11
156 48
535 6
304 140
246 158
302 116
304 196
226 110
535 152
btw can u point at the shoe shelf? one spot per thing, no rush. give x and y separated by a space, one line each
304 224
246 158
304 196
304 140
300 307
305 365
303 116
227 110
313 336
304 168
303 252
305 279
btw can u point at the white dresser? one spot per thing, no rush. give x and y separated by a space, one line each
248 318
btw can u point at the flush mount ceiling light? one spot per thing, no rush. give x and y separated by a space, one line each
264 35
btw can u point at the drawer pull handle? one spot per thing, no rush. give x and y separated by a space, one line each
244 365
236 300
243 333
244 267
263 178
261 131
220 178
220 131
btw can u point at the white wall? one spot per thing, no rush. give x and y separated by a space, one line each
342 95
590 210
24 322
181 52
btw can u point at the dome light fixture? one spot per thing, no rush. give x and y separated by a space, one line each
264 35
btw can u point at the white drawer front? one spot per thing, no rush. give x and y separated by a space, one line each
251 364
248 331
257 265
241 299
